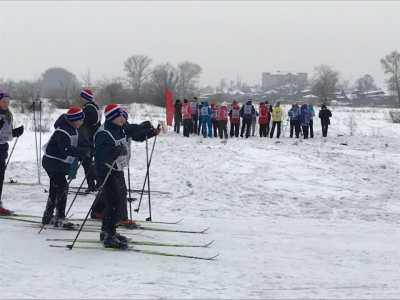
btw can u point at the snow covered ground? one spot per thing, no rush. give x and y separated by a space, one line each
294 219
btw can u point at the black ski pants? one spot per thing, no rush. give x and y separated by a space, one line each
234 129
278 129
3 158
295 126
305 131
222 129
187 127
246 125
57 199
263 130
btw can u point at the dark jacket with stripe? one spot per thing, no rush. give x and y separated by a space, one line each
59 146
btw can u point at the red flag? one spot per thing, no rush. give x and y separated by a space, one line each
169 106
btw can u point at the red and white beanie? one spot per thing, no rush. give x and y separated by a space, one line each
74 113
112 111
87 94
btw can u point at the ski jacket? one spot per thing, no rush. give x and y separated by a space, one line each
277 114
214 112
91 122
62 148
325 115
6 119
234 114
205 110
222 113
247 111
195 107
186 111
312 111
294 113
263 115
178 110
305 115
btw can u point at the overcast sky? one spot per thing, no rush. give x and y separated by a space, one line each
228 39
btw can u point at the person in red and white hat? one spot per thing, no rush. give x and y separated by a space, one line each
59 153
111 158
89 127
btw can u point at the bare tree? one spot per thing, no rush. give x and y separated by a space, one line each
391 66
164 76
87 79
365 83
138 71
189 74
324 82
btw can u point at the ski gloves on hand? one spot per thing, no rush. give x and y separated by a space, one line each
16 132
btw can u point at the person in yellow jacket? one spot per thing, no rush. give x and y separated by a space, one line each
277 115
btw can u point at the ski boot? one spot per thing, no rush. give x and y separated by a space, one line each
111 241
96 215
5 211
120 237
62 223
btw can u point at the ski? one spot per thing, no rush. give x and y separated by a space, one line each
75 188
131 249
14 182
99 221
143 243
97 228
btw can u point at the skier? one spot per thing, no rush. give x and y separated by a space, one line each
312 115
205 116
186 111
7 133
195 115
234 118
59 153
305 117
294 115
325 114
214 118
246 112
269 116
277 115
177 116
111 146
91 123
222 119
263 119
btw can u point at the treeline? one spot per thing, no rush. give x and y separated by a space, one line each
142 83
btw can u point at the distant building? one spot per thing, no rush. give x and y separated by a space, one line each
273 81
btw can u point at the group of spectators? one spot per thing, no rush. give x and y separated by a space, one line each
198 117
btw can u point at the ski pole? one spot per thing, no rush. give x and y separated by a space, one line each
11 153
147 174
94 202
36 140
76 194
40 133
129 193
148 179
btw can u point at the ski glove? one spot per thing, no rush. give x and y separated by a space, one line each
17 132
146 124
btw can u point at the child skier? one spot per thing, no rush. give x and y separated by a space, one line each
89 127
187 117
7 133
111 157
59 153
263 119
222 118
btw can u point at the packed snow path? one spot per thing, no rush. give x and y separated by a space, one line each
294 218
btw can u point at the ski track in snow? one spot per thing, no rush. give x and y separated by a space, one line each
313 218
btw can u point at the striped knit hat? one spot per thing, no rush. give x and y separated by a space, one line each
75 113
3 94
87 94
112 111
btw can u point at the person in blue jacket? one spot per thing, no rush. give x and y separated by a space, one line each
59 154
112 157
305 117
294 116
205 116
312 115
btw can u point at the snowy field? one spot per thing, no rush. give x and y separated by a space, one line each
294 219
